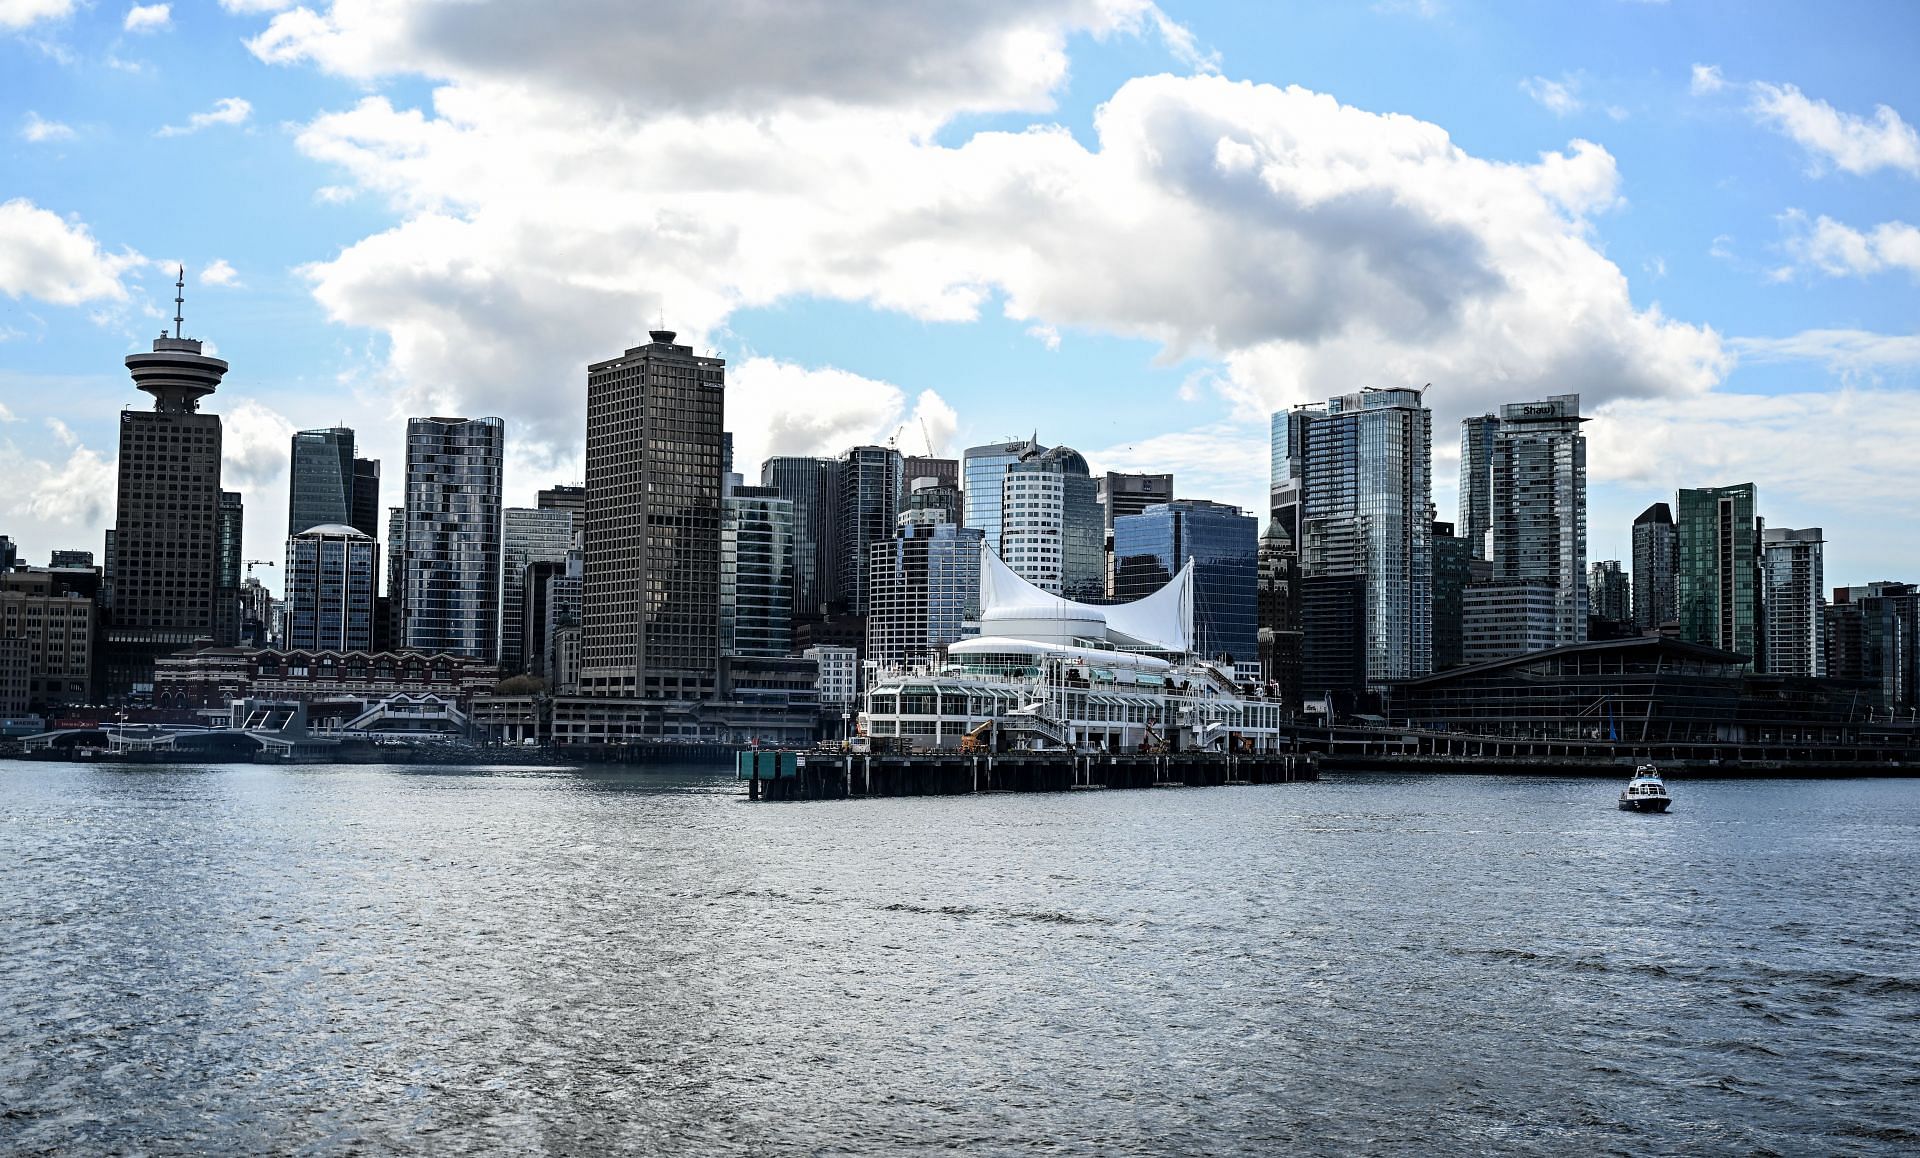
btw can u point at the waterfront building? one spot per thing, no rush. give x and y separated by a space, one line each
1452 572
1365 465
983 469
1719 587
453 536
650 601
756 572
1154 546
529 536
15 671
331 574
838 681
1052 527
1872 633
1123 494
1277 609
47 620
1286 466
1477 436
1539 507
1609 593
812 486
1507 617
1794 600
167 552
1656 567
872 485
925 586
209 677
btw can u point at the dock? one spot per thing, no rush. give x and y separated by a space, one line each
827 775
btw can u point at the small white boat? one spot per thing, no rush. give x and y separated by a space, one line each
1646 792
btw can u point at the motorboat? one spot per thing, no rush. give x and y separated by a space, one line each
1646 792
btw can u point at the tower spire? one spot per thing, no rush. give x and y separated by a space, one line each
179 299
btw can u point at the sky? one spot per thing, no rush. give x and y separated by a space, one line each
1135 229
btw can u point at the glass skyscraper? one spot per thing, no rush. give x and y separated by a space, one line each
1656 555
926 584
1476 481
872 485
330 581
1719 584
453 536
530 535
1052 527
320 479
983 469
1151 547
1795 601
756 572
1539 506
812 485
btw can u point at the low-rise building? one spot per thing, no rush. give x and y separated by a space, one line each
213 676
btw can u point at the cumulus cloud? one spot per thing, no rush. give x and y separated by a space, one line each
251 7
22 13
1851 143
77 490
225 111
218 272
57 261
255 444
1839 250
1851 354
1209 461
37 129
148 17
1706 79
1559 97
782 408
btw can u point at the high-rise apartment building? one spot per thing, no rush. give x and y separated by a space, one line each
1052 527
395 629
1365 499
529 535
1719 587
1150 548
453 536
1794 601
812 485
1476 481
323 480
982 469
1609 593
1656 562
167 551
872 484
1452 572
331 577
1872 632
1539 507
650 594
756 572
926 584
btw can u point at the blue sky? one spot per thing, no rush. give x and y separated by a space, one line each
1135 229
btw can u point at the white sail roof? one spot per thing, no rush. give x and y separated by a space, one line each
1012 607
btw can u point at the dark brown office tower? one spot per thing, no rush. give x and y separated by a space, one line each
167 550
564 498
650 614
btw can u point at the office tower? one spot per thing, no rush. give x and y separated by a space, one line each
1151 547
1719 586
871 486
1123 494
1277 609
756 572
331 574
69 559
231 566
1609 594
528 536
570 499
9 554
839 680
366 497
167 552
650 594
321 480
1794 601
1366 545
1539 506
46 636
1506 617
933 500
982 469
947 470
1452 572
396 617
812 485
1476 481
256 614
452 536
106 573
561 651
1656 562
1872 632
1052 527
926 584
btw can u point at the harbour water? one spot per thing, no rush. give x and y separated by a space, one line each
444 961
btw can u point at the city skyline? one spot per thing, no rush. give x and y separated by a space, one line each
1771 253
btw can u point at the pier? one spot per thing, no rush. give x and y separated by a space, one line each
828 775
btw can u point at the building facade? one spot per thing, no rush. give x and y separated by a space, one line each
47 619
1477 436
330 584
1872 633
1539 506
321 479
812 486
1794 601
1150 548
1656 563
872 484
926 585
453 536
1127 494
983 468
1052 527
1277 608
1452 571
1719 588
529 536
1508 617
756 573
1609 592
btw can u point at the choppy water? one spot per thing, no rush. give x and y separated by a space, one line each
373 960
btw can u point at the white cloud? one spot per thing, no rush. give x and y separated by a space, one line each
1706 79
335 194
1851 143
255 443
77 490
1838 250
225 111
1851 354
6 415
148 17
1559 97
37 129
1207 462
251 7
776 407
218 272
1048 336
56 261
22 13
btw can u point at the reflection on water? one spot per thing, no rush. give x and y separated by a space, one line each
241 959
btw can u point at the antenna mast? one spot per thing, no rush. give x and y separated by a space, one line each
179 299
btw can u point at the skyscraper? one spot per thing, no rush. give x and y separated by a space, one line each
926 584
330 578
1719 586
650 589
947 470
871 487
1052 527
756 572
1794 601
1609 594
366 497
1539 505
1452 571
453 535
1151 547
570 499
322 480
983 469
812 485
1277 607
529 536
1128 494
1656 559
166 548
1476 481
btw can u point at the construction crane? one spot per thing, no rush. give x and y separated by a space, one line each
924 433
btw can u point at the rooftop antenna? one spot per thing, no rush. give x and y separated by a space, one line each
179 299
